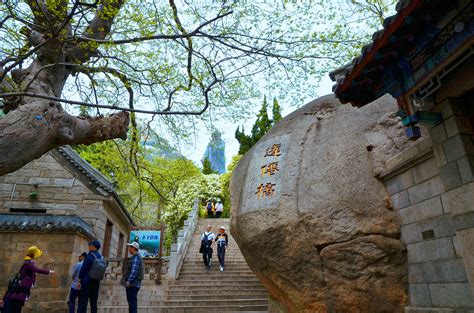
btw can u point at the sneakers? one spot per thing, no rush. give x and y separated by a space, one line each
221 268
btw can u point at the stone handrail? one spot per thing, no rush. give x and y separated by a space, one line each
116 268
179 249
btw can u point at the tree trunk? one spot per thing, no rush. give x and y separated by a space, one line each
35 126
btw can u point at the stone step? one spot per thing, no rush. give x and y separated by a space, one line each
226 286
201 292
216 303
213 277
227 296
202 309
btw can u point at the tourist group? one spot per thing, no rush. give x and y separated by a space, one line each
86 277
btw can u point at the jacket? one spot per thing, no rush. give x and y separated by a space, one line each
28 275
86 267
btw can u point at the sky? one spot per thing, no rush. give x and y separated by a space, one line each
195 150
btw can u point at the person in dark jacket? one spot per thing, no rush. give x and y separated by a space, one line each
222 243
133 277
15 300
89 288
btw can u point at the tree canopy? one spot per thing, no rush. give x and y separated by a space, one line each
174 60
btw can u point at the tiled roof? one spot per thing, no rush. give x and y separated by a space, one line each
344 73
85 168
95 177
44 223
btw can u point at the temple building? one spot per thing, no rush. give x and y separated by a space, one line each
424 57
58 202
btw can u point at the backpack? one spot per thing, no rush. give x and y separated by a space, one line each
205 243
209 206
15 284
97 271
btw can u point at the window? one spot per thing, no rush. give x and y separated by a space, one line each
120 246
107 238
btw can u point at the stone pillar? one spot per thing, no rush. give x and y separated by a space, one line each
453 145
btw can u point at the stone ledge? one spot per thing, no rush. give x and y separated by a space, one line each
410 309
407 159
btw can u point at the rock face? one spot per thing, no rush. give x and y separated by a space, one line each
312 219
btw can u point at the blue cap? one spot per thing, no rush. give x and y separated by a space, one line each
95 243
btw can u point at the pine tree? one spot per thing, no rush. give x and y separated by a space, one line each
276 111
260 128
206 167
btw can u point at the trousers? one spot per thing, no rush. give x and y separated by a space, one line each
89 293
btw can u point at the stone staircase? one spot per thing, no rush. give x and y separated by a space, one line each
237 289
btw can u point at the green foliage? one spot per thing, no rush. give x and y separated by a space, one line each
261 126
206 167
225 185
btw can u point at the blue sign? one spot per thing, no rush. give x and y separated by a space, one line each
149 241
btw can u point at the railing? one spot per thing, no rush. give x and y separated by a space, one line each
180 248
116 268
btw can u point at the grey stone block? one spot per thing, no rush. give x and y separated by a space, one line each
425 170
451 126
421 211
450 176
442 271
466 169
464 221
400 200
39 181
410 309
452 295
65 182
439 155
399 183
459 200
442 226
438 134
420 295
426 190
437 249
454 148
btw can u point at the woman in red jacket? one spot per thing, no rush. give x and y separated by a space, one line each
14 300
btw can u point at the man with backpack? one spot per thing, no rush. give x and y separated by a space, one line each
210 209
92 272
207 239
133 277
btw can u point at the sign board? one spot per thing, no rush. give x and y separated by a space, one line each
149 241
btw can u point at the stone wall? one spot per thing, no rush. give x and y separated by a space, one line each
59 191
60 253
432 192
115 271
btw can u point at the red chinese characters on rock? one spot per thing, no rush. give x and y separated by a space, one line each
265 190
270 169
274 150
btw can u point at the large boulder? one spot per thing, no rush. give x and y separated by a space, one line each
311 218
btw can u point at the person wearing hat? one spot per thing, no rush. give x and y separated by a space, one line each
222 243
89 288
74 292
134 276
15 299
219 209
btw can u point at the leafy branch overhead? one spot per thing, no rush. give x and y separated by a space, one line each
165 59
